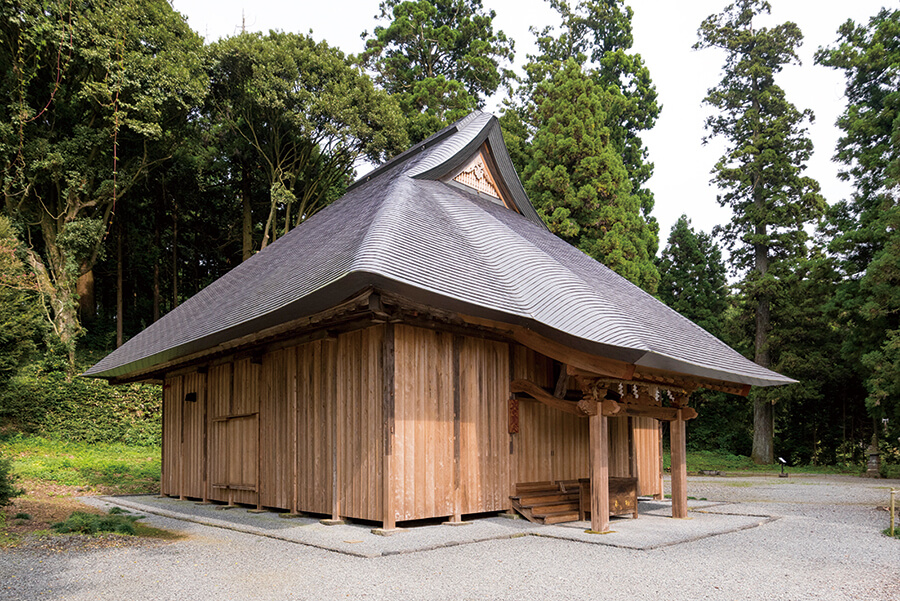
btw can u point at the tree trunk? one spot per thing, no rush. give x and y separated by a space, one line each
247 226
120 277
59 303
174 254
87 308
763 413
156 259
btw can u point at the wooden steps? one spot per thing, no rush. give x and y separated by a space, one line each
547 502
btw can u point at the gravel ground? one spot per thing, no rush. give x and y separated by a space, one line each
825 544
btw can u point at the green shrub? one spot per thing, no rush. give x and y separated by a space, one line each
8 488
42 399
91 523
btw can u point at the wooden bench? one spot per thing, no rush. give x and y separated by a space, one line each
622 497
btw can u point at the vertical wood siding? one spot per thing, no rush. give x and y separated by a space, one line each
316 366
646 442
278 429
359 395
423 478
171 448
484 443
193 430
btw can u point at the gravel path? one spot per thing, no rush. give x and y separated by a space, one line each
825 544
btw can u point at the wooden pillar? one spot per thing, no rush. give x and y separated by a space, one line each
599 441
662 488
204 388
513 417
679 467
337 428
387 409
457 430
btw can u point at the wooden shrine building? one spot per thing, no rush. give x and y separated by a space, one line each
425 347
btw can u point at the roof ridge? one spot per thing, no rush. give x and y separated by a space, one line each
426 144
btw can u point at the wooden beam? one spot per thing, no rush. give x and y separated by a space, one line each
666 414
690 383
599 453
562 383
679 467
556 350
539 394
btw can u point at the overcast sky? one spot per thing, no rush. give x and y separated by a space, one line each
664 32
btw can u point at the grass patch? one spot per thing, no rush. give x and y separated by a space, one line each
887 532
111 468
116 521
91 523
726 462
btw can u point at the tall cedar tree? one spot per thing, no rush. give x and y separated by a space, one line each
693 282
597 34
692 277
760 175
306 112
440 58
94 97
577 181
867 227
593 199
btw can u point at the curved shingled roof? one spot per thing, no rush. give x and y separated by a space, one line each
401 229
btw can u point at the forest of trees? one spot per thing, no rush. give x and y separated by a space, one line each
138 164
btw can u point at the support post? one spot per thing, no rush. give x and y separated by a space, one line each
337 429
599 441
457 431
679 467
389 520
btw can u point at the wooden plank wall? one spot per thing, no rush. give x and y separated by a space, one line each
359 390
316 391
293 426
193 438
233 411
551 445
484 441
619 456
278 427
646 442
423 478
171 443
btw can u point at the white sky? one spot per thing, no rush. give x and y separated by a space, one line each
664 32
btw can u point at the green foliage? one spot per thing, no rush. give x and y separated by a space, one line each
304 112
715 460
21 321
126 469
8 488
865 234
692 277
577 181
43 400
760 176
439 58
93 98
597 35
91 523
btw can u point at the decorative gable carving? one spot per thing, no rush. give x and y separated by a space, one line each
477 176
